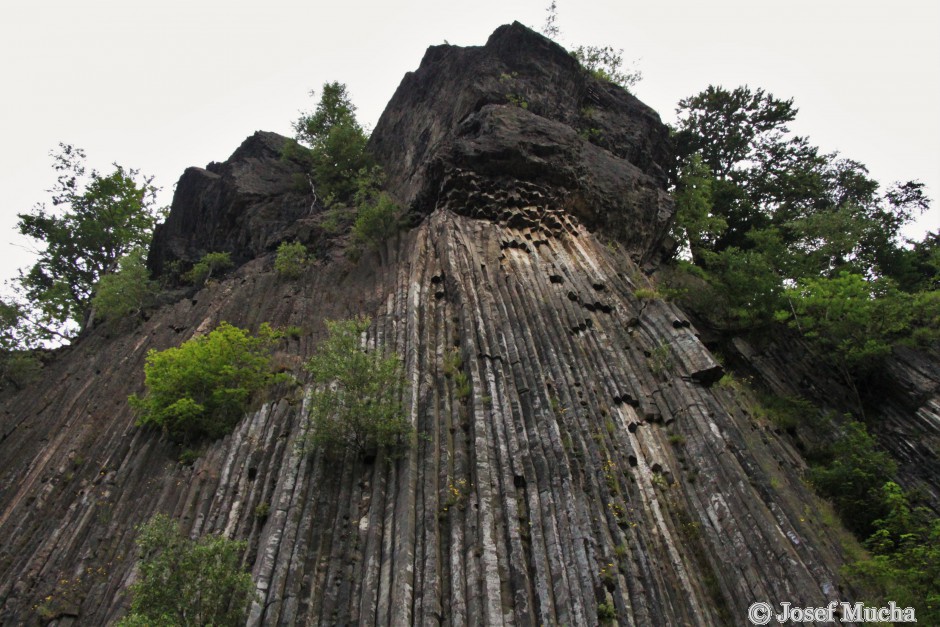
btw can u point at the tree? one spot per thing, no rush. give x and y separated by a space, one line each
550 28
355 402
18 366
761 211
696 225
183 582
337 143
726 127
853 477
126 291
201 389
95 220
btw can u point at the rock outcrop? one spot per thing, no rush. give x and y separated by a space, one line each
593 469
244 206
518 123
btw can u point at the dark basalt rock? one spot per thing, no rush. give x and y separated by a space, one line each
519 115
244 206
587 463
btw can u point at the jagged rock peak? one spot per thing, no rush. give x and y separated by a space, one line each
242 206
520 112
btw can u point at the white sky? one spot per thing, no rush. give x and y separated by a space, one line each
163 85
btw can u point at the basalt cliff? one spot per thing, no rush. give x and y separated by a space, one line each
594 462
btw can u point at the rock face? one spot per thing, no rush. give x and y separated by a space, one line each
592 470
517 123
244 206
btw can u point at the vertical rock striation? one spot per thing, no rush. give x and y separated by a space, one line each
592 469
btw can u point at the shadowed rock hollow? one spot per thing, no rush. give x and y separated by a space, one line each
592 470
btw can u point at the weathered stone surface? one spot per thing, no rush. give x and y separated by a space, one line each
589 464
902 405
521 110
244 206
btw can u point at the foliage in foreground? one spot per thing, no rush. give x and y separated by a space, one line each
905 563
183 582
201 389
355 404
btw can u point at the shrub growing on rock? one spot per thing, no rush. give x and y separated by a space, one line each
202 388
211 264
355 404
291 259
376 221
184 582
126 291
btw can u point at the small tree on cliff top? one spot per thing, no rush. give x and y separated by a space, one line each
337 143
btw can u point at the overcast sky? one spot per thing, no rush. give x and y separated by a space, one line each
163 85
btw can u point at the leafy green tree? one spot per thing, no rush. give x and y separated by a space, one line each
355 404
125 292
696 225
854 320
201 389
183 582
95 220
378 218
337 143
728 127
291 259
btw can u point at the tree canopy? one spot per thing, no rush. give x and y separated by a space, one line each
775 224
201 389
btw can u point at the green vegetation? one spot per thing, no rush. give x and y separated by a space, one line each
378 217
852 475
291 260
125 292
603 62
337 144
660 360
905 563
18 366
183 582
847 468
783 233
355 405
606 63
201 389
95 220
210 265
